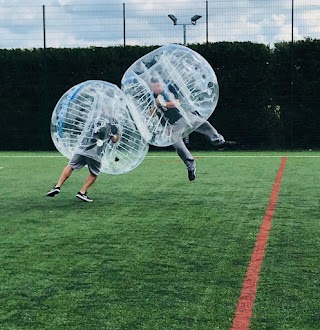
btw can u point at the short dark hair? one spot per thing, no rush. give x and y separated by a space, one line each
154 80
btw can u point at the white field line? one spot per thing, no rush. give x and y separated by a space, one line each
1 168
243 156
175 156
30 156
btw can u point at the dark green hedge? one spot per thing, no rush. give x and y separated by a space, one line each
269 98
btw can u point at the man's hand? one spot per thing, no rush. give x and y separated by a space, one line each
115 138
173 103
161 101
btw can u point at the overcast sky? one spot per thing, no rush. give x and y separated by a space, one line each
72 23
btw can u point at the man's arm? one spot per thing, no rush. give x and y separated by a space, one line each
174 99
160 101
173 103
115 136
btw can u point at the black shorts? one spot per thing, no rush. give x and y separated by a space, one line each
79 161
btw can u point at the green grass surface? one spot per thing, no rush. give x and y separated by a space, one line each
154 251
288 295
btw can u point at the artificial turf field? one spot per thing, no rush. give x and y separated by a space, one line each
154 251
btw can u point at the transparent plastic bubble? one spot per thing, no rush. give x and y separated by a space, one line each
174 90
93 119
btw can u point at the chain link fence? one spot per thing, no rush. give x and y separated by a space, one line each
269 83
147 23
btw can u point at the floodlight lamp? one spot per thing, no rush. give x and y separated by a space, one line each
173 18
194 19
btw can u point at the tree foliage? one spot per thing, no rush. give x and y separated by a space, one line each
269 97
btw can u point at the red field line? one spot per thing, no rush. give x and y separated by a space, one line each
243 312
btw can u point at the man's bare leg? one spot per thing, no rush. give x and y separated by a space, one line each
64 175
88 183
82 194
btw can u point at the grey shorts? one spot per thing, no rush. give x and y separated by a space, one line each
79 161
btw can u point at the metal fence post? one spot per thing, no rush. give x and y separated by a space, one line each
124 23
44 26
45 70
207 23
45 63
292 77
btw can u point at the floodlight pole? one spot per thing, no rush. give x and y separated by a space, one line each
184 25
185 34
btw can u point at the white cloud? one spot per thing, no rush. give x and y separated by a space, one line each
304 3
308 21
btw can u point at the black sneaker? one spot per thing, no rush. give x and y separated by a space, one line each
84 197
192 174
54 191
227 145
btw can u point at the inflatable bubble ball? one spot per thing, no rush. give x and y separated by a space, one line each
93 119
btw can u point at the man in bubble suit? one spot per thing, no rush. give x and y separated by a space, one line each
89 153
167 105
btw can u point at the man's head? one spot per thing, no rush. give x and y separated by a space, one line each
156 85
